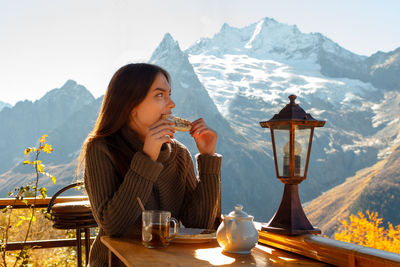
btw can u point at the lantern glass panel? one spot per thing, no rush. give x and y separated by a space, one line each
282 137
301 140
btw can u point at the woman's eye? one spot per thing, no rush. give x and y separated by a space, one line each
159 95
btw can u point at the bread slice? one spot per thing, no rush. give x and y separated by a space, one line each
179 123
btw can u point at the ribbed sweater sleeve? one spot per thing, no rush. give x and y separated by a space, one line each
202 192
114 204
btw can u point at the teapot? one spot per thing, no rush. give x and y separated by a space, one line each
237 233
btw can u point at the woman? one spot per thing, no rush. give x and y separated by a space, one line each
131 153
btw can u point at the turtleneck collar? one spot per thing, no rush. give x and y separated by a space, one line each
132 138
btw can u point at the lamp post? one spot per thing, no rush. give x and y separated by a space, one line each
291 133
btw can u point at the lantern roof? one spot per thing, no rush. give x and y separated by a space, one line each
292 113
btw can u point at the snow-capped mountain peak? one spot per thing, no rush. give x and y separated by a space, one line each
270 35
166 47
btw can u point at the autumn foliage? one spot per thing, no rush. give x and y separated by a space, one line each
367 230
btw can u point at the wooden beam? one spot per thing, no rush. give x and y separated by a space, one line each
51 243
40 203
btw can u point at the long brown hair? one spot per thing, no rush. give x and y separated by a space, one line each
127 89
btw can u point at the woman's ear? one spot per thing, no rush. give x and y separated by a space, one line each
133 113
132 116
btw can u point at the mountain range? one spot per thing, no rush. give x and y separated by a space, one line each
235 79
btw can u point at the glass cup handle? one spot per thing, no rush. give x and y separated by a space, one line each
176 223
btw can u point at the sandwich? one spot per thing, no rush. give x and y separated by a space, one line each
179 123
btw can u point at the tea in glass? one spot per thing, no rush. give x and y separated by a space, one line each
156 228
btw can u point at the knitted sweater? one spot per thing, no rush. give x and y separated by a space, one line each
169 184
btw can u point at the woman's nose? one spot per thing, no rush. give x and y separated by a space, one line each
171 104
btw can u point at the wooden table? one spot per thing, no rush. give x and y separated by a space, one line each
132 253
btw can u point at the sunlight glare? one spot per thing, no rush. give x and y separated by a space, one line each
286 259
214 256
266 249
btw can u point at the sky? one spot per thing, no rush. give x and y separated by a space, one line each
43 43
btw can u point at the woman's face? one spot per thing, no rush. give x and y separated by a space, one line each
156 103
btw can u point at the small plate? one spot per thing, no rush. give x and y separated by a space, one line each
194 235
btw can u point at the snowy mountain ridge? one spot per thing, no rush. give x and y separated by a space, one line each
268 37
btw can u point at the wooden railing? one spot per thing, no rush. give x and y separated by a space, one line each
330 251
41 203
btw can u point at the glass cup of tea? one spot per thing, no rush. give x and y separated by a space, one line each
156 228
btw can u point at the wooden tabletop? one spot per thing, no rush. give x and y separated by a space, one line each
132 253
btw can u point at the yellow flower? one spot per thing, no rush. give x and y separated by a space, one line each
43 138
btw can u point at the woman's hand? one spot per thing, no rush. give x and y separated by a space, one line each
205 137
159 133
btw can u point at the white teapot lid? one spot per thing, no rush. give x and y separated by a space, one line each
238 212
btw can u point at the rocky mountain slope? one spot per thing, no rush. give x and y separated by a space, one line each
376 188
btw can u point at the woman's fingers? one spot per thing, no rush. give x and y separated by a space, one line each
159 133
163 132
200 130
205 137
165 139
161 123
162 127
197 126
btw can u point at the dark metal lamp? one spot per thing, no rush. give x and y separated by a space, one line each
291 133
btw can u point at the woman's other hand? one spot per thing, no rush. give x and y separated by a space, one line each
205 137
159 133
